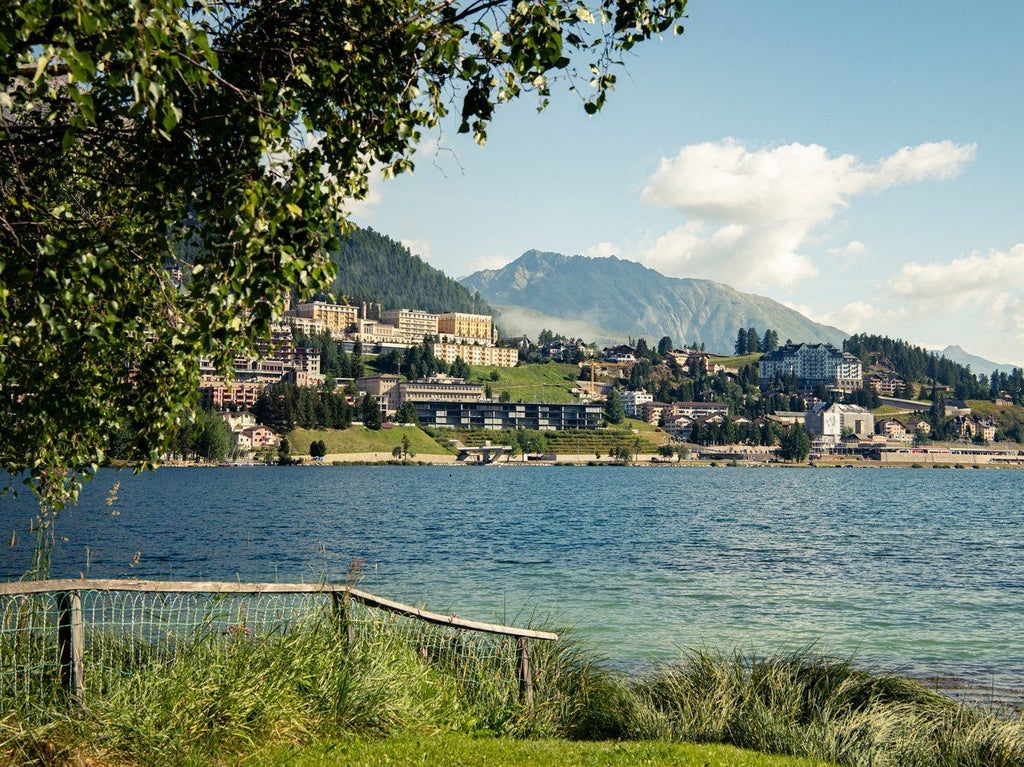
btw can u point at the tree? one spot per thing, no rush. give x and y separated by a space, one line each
460 369
235 134
770 342
741 342
753 340
407 413
795 444
665 345
614 413
371 412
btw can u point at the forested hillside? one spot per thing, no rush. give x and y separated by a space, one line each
914 363
373 267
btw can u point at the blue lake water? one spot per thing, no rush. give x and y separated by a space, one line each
915 571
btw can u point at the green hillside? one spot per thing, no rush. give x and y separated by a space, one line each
359 439
374 267
548 383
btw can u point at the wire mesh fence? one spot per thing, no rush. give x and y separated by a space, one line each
60 642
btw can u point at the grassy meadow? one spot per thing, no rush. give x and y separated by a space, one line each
550 383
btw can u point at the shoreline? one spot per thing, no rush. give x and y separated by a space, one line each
643 461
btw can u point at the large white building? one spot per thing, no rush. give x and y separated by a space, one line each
812 365
632 401
829 421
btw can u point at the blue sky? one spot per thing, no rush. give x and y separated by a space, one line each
860 162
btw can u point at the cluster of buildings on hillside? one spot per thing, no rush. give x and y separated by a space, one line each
452 335
445 401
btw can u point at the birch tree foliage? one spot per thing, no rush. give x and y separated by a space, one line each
227 137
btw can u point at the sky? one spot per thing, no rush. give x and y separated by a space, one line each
859 162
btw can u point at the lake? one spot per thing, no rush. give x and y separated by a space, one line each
914 571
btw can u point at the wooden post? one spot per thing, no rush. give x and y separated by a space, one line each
341 606
71 644
525 675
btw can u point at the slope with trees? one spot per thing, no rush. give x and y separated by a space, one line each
373 267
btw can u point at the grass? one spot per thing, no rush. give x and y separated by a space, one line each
547 383
405 693
460 750
359 439
735 362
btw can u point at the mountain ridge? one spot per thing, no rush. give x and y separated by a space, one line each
624 296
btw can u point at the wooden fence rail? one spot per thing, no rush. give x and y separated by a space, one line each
71 627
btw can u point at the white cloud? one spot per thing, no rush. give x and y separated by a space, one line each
854 249
601 250
420 248
990 283
480 263
749 212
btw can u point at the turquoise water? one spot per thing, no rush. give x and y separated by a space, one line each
918 571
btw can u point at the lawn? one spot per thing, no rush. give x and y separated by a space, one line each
359 439
547 383
451 750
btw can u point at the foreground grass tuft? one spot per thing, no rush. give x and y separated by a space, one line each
403 693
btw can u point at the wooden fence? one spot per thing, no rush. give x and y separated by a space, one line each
71 624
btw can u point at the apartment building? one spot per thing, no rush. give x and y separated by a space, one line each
436 388
812 365
337 318
633 400
459 326
412 324
476 354
508 415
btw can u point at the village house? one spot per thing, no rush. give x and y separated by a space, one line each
894 430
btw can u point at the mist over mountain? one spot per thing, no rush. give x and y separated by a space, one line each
610 299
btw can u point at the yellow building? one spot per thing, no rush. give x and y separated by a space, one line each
412 324
336 318
459 326
475 354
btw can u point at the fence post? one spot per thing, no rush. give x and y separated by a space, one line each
71 644
525 675
341 602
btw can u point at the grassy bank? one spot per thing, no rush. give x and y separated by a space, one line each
309 694
550 383
359 439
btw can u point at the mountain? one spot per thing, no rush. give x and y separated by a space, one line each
373 267
623 298
978 364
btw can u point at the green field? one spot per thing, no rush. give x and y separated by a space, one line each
735 362
359 439
547 383
453 750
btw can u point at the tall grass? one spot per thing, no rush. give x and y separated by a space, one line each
222 698
803 704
